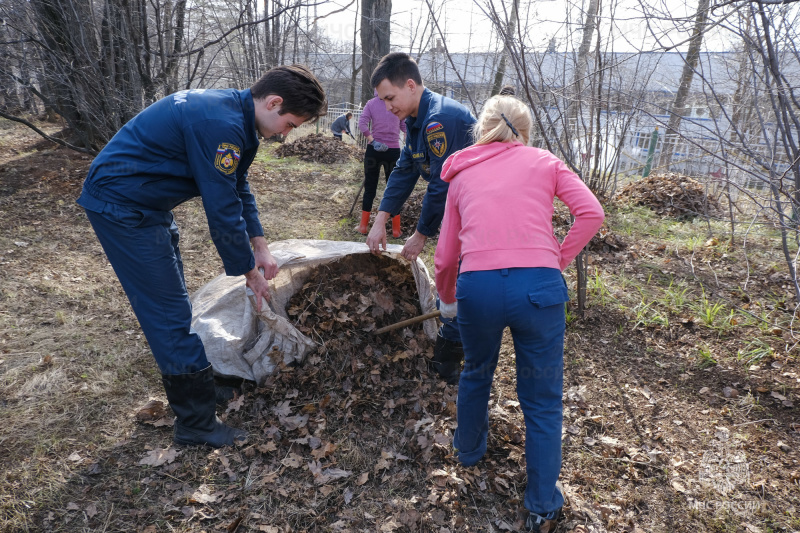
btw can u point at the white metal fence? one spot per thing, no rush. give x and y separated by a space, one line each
323 125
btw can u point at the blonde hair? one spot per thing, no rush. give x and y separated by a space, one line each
492 127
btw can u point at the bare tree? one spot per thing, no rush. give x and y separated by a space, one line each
96 63
375 30
678 108
501 68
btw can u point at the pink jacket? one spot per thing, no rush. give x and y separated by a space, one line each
499 212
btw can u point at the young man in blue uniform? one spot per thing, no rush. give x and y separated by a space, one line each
342 125
436 127
192 143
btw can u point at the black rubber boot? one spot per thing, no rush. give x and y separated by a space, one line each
193 399
447 357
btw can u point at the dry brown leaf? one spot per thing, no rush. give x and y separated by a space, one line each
159 456
267 447
323 451
292 461
152 410
235 405
202 495
291 423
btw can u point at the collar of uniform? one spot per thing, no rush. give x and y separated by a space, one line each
249 112
422 111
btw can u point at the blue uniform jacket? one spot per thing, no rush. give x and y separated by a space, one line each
341 125
442 126
191 143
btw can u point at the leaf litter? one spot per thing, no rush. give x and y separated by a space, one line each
624 484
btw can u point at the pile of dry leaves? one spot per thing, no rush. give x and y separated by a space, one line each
604 241
409 215
670 194
321 148
361 428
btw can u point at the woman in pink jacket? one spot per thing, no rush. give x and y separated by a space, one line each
499 265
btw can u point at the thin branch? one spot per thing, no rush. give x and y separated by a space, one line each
46 136
244 25
447 53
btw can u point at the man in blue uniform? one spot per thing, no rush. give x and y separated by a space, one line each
436 127
192 143
342 125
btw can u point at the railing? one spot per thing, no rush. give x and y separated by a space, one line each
323 125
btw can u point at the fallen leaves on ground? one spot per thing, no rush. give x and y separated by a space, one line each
670 194
320 149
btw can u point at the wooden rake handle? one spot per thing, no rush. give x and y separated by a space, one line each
409 322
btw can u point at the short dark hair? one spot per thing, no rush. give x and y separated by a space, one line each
348 114
397 67
301 91
508 90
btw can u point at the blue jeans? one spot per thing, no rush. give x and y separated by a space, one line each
142 246
529 301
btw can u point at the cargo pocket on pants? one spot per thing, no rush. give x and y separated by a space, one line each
554 293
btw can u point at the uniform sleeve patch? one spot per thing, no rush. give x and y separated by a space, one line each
227 158
438 143
434 126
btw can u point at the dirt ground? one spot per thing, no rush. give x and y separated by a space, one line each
679 397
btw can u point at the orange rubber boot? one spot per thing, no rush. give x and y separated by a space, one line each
362 227
396 226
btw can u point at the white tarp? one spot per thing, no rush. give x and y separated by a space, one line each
242 342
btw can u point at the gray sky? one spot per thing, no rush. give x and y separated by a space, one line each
467 27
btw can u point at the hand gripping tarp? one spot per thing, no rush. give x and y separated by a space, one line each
241 342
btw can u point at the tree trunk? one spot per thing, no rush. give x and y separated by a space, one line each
375 31
70 59
10 101
354 69
678 108
501 68
574 103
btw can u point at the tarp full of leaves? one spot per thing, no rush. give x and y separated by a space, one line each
670 194
343 302
321 148
362 429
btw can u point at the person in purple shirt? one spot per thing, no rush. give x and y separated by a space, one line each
382 130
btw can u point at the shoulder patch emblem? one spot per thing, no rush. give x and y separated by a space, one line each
438 143
434 126
227 159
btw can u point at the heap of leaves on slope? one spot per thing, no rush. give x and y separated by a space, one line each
604 241
359 437
320 148
409 215
670 194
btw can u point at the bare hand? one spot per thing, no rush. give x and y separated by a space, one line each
257 283
265 261
377 235
413 246
266 268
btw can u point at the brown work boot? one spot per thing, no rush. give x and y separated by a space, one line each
542 524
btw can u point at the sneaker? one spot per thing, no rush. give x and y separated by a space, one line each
542 524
